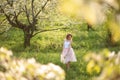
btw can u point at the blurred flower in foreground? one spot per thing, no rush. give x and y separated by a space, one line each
93 11
22 69
114 29
106 63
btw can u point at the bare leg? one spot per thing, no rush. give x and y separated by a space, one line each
68 65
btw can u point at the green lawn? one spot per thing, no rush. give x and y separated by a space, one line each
77 70
46 48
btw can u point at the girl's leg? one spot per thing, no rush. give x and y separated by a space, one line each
68 65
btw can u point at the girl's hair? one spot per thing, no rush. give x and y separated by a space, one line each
68 35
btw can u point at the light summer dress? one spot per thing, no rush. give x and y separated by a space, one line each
68 54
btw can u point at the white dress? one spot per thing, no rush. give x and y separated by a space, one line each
67 54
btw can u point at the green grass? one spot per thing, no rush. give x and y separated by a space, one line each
46 47
77 70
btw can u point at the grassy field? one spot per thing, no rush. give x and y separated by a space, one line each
46 47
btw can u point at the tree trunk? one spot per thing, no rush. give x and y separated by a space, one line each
27 38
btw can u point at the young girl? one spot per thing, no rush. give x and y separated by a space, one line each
68 54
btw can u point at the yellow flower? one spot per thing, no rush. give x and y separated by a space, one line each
97 69
90 66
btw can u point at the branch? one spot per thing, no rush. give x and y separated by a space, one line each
48 30
8 18
27 14
41 9
19 24
32 6
34 21
10 21
4 20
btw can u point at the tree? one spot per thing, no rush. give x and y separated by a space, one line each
25 14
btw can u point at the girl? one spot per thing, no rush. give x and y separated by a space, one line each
68 54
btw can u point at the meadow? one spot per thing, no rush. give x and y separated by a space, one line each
46 47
